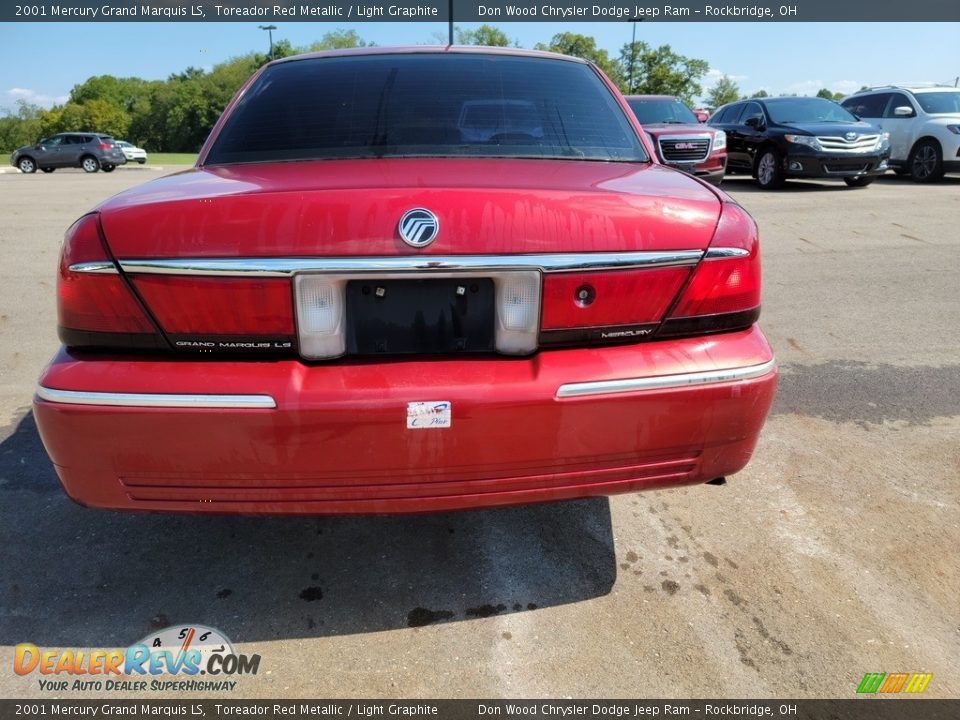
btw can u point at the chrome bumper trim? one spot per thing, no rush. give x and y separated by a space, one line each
662 382
154 400
285 267
105 267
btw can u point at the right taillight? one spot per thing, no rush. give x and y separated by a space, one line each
724 291
95 307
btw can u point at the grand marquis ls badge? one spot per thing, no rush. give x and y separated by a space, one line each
418 227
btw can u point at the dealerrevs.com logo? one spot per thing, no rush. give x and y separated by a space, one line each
177 658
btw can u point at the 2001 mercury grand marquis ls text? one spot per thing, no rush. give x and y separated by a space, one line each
408 280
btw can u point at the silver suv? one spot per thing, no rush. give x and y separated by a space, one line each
924 126
89 151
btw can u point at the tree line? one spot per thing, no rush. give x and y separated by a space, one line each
177 114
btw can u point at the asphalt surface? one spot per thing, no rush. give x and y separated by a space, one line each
833 554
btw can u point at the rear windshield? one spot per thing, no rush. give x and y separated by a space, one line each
672 112
805 109
939 102
422 105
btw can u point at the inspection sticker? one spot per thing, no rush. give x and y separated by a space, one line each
428 415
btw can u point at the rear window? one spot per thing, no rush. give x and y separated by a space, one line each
653 111
422 105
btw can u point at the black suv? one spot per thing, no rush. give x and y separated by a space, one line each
90 151
804 137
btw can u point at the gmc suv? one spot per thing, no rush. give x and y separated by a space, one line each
680 138
923 123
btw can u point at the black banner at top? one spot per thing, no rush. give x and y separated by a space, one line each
497 11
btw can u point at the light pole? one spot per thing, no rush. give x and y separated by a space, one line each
633 53
269 29
450 23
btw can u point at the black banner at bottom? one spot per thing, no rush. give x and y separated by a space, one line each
852 709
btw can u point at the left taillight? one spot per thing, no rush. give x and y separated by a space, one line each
95 306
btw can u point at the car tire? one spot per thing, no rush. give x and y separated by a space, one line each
48 170
926 162
89 164
769 170
141 161
859 181
27 165
108 168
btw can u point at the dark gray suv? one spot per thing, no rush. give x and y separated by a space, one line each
89 151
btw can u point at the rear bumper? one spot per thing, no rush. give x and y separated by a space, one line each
284 437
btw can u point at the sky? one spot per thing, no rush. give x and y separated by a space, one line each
41 62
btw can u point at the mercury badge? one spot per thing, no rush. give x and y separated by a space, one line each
418 227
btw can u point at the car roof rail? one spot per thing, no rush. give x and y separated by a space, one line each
904 86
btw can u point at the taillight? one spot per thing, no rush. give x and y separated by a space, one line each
95 307
219 306
607 305
724 292
106 145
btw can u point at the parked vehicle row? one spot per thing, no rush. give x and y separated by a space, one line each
90 151
914 131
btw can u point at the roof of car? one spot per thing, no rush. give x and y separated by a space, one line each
650 97
430 50
909 88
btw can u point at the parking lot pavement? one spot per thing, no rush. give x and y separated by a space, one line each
832 555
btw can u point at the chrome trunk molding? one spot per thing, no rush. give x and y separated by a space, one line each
154 400
286 267
662 382
104 267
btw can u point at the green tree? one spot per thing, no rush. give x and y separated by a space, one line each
21 127
827 95
725 91
660 71
760 94
338 40
487 35
583 46
93 116
122 93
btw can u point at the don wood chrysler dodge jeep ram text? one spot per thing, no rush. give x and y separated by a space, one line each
408 280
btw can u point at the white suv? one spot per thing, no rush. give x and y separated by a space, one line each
924 126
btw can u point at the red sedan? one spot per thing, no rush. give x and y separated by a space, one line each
408 280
